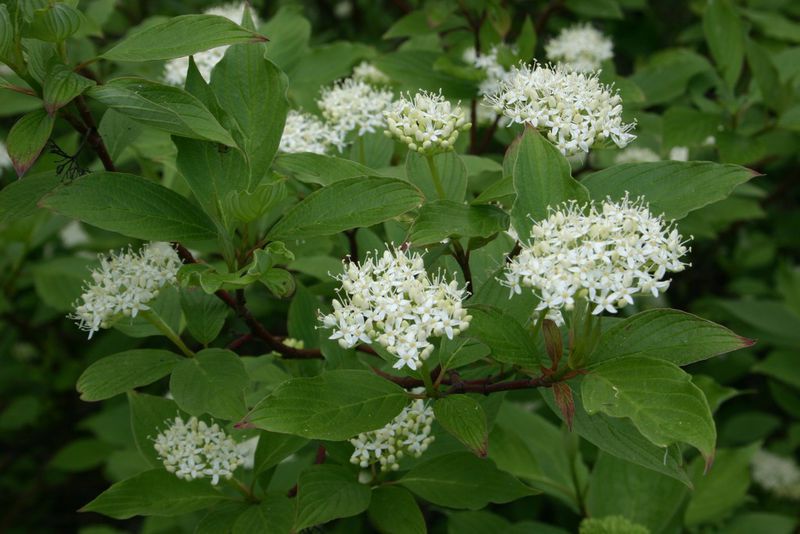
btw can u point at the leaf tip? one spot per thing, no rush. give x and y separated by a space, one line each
709 462
747 342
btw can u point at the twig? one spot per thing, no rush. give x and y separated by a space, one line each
95 141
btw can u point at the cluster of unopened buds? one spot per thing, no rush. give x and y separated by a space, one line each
581 48
606 253
194 449
124 284
408 434
390 299
426 122
573 110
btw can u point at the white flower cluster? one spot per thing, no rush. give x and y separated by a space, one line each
354 105
123 284
581 48
391 300
5 159
608 253
175 70
407 434
194 450
428 123
306 133
369 73
635 154
776 474
490 65
574 110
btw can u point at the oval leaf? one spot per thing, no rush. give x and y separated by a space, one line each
352 203
465 419
181 36
124 371
335 405
132 206
27 138
657 396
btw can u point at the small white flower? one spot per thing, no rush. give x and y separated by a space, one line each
5 159
306 133
123 284
427 123
581 48
609 252
351 105
679 153
175 70
391 300
195 449
776 474
407 434
635 154
247 452
367 72
573 110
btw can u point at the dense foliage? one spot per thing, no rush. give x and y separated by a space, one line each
400 266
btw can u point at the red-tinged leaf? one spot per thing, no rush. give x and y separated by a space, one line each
563 396
552 341
27 138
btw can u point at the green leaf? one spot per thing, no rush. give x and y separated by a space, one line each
414 70
181 36
6 32
289 33
509 341
673 188
124 371
81 455
205 315
335 405
59 282
452 174
272 516
244 206
773 92
542 179
329 210
154 492
212 174
320 169
220 518
621 438
528 446
671 335
27 138
212 382
657 396
683 126
464 418
54 23
618 487
668 73
725 37
723 489
132 206
393 510
750 522
149 416
118 132
782 365
160 106
774 24
607 9
252 90
62 85
441 219
327 492
274 448
462 480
